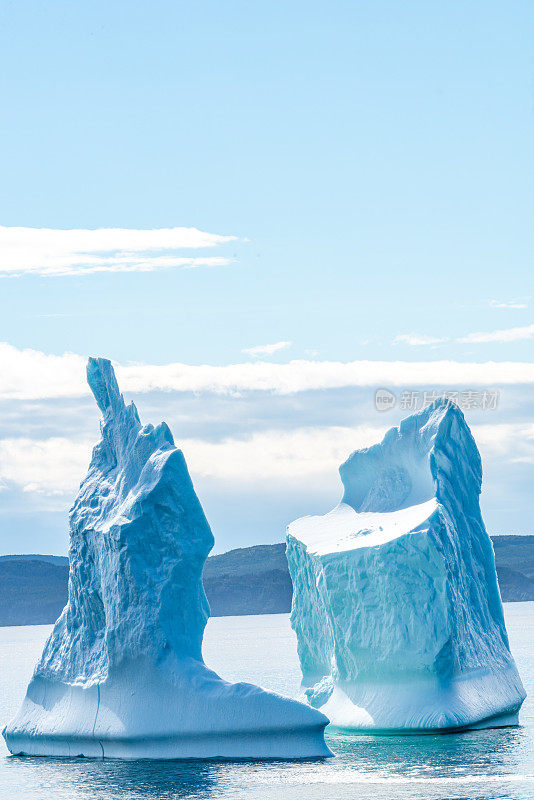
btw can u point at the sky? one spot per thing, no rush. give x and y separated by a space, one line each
263 213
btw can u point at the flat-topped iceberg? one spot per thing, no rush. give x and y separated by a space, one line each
122 674
396 605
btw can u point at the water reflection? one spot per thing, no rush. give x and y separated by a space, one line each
109 779
477 765
495 751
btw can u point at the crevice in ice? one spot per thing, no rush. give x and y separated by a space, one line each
97 708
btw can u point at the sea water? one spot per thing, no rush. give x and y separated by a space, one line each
477 765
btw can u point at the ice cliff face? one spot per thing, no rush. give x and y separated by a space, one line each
122 673
396 604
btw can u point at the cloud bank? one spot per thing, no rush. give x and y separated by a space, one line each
56 253
55 466
32 374
263 441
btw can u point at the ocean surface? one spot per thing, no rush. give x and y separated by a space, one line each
478 765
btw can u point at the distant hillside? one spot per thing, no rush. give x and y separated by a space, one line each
515 552
61 561
250 580
32 592
514 556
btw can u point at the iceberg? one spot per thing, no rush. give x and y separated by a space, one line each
122 673
396 606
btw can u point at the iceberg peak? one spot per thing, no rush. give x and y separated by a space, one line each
415 462
103 384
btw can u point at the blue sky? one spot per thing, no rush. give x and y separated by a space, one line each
372 165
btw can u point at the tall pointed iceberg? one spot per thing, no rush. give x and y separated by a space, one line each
122 673
396 605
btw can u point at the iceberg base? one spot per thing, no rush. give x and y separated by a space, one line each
261 745
181 710
468 702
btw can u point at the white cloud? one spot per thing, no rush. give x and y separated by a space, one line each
518 303
496 436
31 374
52 466
503 336
308 452
278 455
513 442
417 340
266 349
55 466
54 253
298 376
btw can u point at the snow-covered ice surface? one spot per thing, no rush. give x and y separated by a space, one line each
396 605
122 673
